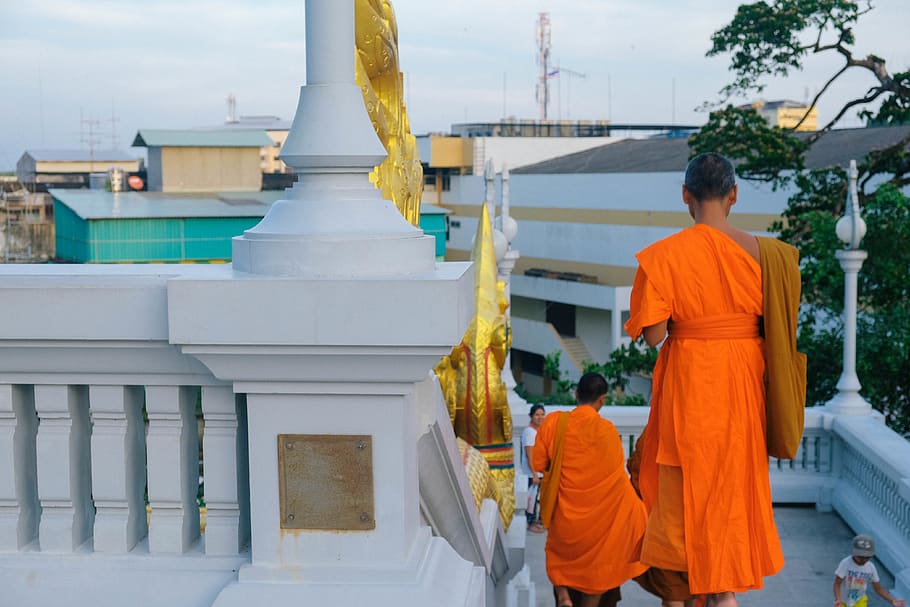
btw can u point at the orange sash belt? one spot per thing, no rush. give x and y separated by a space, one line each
724 326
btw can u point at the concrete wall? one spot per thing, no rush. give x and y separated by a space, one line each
531 309
522 151
193 169
593 327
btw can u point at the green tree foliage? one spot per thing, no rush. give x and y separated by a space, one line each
636 358
764 153
772 38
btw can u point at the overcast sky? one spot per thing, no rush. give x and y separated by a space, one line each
125 65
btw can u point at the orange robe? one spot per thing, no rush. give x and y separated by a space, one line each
707 411
595 535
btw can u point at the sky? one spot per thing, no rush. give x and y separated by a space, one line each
75 71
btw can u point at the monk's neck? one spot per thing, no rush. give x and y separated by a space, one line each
714 220
591 405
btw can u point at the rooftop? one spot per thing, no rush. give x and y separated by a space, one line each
217 138
835 148
80 155
100 204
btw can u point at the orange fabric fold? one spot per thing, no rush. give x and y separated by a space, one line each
708 406
595 534
722 326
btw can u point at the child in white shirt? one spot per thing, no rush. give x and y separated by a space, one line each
854 573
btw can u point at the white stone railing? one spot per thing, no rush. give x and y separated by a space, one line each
99 443
100 451
853 465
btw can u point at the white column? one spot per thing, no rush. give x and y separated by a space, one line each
358 313
848 400
118 467
19 509
224 469
333 221
850 230
506 264
173 468
64 467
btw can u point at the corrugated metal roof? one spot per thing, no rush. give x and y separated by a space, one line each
99 204
81 156
835 148
192 138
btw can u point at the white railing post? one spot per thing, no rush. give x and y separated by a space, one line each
118 467
226 527
850 230
64 467
18 490
173 468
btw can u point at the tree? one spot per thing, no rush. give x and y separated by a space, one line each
771 38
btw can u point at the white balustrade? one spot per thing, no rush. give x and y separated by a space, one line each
64 467
226 493
19 509
173 468
118 467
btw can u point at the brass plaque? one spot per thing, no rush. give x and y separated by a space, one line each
325 481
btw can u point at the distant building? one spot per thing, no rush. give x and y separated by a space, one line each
40 169
786 114
518 143
96 226
277 130
203 161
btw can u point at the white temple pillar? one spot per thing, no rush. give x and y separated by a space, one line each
358 314
506 264
850 229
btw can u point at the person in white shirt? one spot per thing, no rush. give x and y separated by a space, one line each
528 438
854 574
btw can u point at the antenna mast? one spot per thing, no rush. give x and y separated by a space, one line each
543 60
231 109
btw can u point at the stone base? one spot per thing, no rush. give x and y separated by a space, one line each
36 579
434 575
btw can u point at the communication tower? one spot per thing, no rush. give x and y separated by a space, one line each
543 61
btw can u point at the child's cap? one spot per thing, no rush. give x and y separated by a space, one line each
863 545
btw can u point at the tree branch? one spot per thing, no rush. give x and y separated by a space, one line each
819 94
867 99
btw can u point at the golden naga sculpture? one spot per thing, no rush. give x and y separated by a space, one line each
400 176
471 376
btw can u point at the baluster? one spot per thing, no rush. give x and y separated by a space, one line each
224 466
19 509
173 468
64 467
118 467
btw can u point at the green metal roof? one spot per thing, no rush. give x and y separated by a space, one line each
202 139
100 204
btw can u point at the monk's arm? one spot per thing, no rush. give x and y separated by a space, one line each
655 333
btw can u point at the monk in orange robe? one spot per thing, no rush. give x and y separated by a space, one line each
704 470
598 521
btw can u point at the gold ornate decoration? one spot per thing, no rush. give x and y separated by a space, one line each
399 176
471 376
